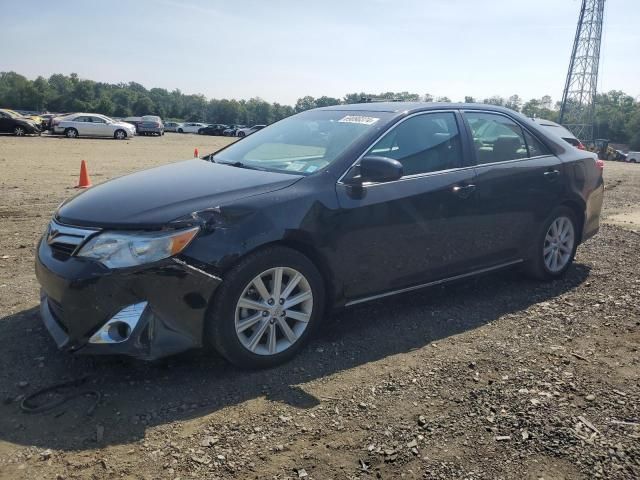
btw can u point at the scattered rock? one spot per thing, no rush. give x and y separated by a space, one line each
208 441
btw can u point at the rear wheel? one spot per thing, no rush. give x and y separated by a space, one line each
71 133
241 134
120 135
555 246
266 308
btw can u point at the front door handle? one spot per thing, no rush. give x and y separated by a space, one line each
463 191
551 174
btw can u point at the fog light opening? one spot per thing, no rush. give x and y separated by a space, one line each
119 331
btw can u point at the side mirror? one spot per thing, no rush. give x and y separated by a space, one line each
377 169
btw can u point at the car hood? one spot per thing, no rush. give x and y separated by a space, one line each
152 198
123 125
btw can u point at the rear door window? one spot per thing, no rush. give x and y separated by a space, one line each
496 138
535 147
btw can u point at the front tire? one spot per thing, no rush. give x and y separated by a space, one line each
120 135
19 131
241 134
71 133
266 308
555 246
180 130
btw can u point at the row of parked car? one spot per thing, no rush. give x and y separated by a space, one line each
77 124
212 129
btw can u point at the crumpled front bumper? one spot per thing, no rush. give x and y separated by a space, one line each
80 296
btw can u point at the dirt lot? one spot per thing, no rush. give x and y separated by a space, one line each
500 377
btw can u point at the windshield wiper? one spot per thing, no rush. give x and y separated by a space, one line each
241 165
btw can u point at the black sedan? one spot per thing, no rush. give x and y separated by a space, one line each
246 250
19 126
215 129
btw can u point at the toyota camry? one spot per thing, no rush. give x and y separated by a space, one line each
247 249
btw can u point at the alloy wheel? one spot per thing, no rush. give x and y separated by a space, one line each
273 311
120 135
558 244
19 131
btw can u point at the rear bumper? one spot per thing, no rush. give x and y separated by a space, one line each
592 212
79 297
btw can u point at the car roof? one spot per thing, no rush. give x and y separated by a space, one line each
412 107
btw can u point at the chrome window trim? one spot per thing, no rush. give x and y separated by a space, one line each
433 283
512 161
379 137
418 175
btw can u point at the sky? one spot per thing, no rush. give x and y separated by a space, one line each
281 50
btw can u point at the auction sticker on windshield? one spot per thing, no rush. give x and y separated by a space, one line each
358 119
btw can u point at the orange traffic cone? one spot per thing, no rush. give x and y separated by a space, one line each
85 181
195 153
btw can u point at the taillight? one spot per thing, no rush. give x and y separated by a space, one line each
600 165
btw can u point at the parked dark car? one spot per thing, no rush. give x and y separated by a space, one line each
150 125
19 126
328 208
232 130
215 129
135 121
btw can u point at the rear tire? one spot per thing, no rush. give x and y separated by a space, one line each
289 327
555 246
241 134
71 133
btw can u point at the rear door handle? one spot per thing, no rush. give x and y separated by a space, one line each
551 174
463 191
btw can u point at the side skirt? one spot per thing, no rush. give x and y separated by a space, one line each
430 284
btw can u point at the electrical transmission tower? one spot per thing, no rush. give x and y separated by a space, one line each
579 95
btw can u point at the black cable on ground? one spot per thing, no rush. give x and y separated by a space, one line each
28 406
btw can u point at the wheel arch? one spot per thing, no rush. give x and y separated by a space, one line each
579 211
314 255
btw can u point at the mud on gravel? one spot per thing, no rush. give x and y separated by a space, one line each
498 377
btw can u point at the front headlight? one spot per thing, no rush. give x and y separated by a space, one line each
119 250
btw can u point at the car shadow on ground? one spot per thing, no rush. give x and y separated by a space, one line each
138 395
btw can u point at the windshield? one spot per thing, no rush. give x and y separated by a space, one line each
303 143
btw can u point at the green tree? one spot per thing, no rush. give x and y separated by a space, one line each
305 103
325 101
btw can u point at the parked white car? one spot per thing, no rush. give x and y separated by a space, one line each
191 127
93 125
633 157
245 132
560 131
172 126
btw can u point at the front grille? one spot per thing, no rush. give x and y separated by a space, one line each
62 251
65 240
58 313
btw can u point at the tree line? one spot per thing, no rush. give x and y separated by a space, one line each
617 113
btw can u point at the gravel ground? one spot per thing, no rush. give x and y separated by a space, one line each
498 377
